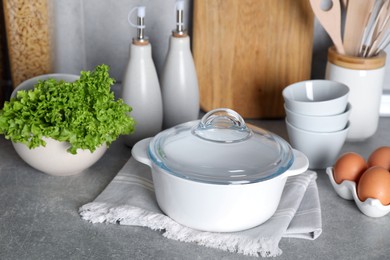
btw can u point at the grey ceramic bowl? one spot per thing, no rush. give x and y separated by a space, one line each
322 124
316 97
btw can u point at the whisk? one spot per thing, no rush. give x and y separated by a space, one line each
376 36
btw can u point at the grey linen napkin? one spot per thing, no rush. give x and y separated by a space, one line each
130 200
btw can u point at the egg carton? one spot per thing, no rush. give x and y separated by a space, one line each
347 190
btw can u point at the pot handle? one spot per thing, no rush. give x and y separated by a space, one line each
139 151
300 165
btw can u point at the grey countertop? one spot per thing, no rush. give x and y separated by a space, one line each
39 215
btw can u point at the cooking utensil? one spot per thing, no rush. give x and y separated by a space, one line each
218 174
357 16
376 31
386 39
366 30
380 28
330 19
380 18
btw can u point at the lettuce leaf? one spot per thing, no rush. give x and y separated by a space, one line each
83 113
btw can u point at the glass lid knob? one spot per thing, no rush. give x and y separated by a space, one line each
222 125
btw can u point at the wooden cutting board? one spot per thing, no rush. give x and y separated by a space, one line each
247 51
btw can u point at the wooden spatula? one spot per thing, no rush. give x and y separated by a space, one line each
358 12
331 21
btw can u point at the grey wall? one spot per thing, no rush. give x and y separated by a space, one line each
91 32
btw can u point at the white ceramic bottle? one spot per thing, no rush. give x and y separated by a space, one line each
179 82
140 86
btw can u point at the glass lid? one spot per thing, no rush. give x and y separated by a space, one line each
221 149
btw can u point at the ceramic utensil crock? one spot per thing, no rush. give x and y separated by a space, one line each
364 77
217 174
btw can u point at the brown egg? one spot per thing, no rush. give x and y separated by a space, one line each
380 157
375 183
349 166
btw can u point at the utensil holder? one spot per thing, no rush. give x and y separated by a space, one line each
364 77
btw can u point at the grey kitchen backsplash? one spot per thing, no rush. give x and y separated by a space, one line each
92 32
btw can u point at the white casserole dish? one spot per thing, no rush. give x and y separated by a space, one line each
217 174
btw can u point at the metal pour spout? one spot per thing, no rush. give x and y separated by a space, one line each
180 30
141 39
140 28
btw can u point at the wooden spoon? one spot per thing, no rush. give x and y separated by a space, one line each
331 21
358 13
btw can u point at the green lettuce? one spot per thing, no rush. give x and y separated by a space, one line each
83 113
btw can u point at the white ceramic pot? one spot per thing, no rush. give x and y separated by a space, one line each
364 77
217 174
